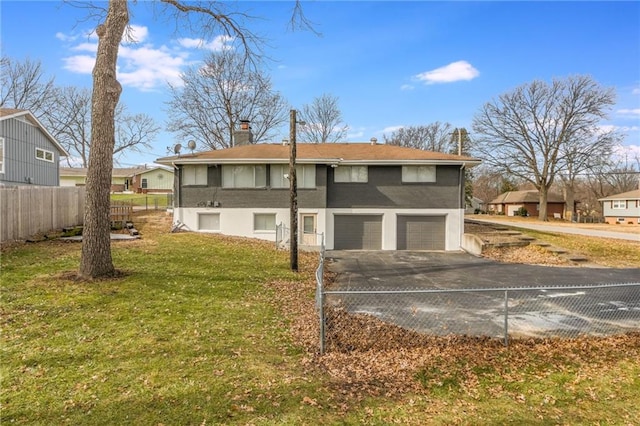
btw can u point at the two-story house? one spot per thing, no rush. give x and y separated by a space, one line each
622 208
363 196
29 154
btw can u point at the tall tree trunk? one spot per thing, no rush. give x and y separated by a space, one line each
96 258
542 211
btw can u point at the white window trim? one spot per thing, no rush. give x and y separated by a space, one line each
225 184
405 178
4 148
619 204
44 155
351 168
195 177
264 231
209 214
301 169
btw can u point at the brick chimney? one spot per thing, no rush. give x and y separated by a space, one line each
243 135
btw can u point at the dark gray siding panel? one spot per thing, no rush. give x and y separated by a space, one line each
21 165
421 232
385 189
357 232
195 196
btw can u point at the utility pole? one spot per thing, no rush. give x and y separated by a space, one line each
293 188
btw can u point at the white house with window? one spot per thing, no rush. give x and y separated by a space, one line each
622 208
361 196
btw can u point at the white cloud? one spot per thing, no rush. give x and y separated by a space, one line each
628 151
141 64
216 45
407 87
455 71
138 33
79 64
147 67
635 91
626 111
65 37
391 129
86 47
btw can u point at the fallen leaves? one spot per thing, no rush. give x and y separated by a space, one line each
367 357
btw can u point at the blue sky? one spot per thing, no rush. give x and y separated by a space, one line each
390 63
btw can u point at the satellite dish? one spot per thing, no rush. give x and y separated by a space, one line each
177 148
192 145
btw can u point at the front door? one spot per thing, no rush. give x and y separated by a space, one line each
308 228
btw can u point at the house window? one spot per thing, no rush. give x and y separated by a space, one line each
358 174
195 175
244 176
1 155
44 155
264 222
144 183
209 221
305 176
415 174
619 204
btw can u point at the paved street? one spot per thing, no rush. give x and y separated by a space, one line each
563 229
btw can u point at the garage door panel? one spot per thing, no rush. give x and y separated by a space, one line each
421 232
357 232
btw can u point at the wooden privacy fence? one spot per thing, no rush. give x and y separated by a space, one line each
29 210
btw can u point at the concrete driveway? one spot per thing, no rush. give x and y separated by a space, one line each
531 313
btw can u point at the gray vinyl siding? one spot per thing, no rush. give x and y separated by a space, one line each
20 163
385 189
203 195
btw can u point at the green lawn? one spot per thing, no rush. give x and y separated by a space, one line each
192 334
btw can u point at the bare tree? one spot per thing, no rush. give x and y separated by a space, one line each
323 121
70 123
216 96
437 136
208 17
23 85
584 152
525 131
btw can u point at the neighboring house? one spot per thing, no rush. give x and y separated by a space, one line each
29 154
476 205
510 202
139 179
622 208
359 195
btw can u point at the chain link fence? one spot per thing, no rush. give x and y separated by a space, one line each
372 316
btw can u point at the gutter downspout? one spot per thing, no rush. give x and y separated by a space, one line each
177 193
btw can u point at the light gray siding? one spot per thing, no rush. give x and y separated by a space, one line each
21 167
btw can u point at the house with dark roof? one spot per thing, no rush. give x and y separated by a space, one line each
622 208
135 180
360 196
510 202
29 154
